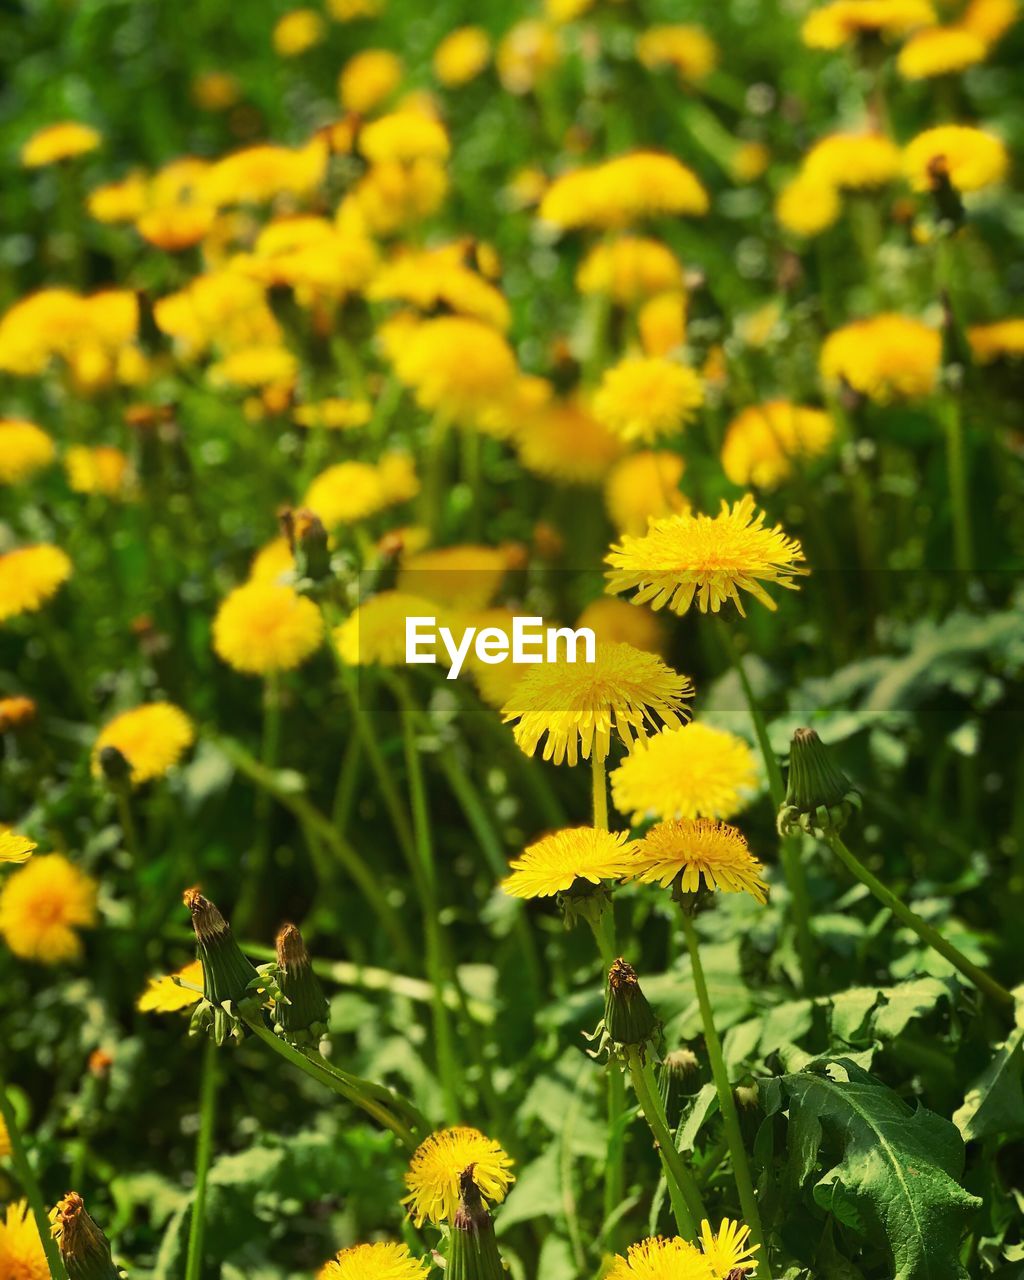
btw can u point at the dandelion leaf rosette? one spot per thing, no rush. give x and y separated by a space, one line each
896 1170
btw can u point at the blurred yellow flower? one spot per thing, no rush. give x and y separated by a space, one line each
647 397
853 160
165 995
439 279
15 712
990 19
832 25
352 491
689 49
14 847
439 1161
42 905
1002 339
29 577
707 558
749 161
374 633
617 622
563 441
261 173
662 323
57 142
373 1262
175 227
21 1250
297 31
393 196
122 201
629 268
100 469
24 450
641 184
350 10
940 51
334 414
456 366
642 487
806 206
885 357
265 627
692 772
575 706
461 56
461 577
215 90
764 440
554 863
261 366
526 53
220 308
970 158
152 738
402 137
694 848
368 78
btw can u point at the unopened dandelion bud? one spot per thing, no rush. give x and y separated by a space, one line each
83 1246
307 538
680 1077
302 1014
949 208
473 1250
227 974
115 767
629 1020
819 796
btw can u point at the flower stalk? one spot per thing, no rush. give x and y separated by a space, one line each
29 1183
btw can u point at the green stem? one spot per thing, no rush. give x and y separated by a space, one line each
26 1176
687 1205
204 1151
726 1102
323 1074
269 750
600 790
614 1169
789 847
959 493
926 932
389 792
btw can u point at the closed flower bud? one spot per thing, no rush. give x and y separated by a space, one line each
819 796
307 539
949 208
679 1078
473 1250
83 1246
114 766
227 974
629 1020
302 1015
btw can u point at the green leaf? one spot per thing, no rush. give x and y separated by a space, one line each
896 1174
994 1104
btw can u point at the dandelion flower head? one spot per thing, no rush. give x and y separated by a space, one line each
970 158
689 849
884 357
264 627
764 441
24 450
439 1161
647 397
555 862
152 738
42 906
29 577
373 1262
696 771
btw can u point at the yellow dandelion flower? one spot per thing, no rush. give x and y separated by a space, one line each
712 558
617 622
940 51
122 201
24 450
374 633
333 414
274 562
807 207
885 357
970 158
693 772
249 367
662 323
990 19
563 11
461 56
440 279
832 25
368 78
350 10
152 738
58 142
439 1161
853 160
403 137
525 55
215 90
297 31
728 1249
15 712
557 861
629 268
691 848
644 487
15 848
456 366
29 577
166 994
263 627
564 442
352 491
100 469
21 1250
176 227
42 905
392 196
763 441
463 577
257 174
642 184
660 1259
688 49
1002 340
647 397
749 161
373 1262
575 706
